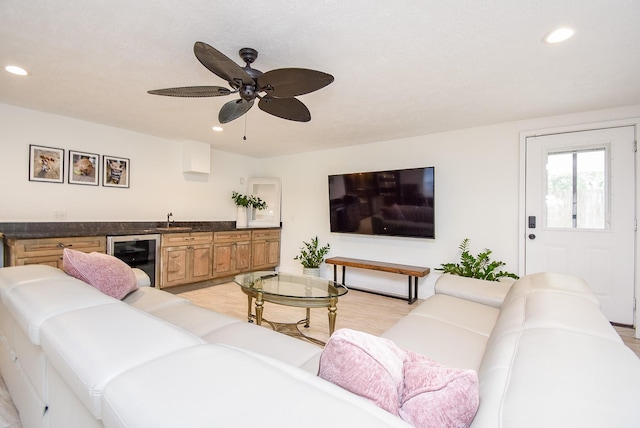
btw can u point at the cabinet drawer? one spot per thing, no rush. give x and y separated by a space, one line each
54 246
176 239
265 234
232 236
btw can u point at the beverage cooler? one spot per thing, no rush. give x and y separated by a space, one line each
138 251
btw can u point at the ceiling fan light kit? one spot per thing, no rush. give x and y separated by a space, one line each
275 89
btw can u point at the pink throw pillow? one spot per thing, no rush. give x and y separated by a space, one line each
421 391
108 274
366 365
436 396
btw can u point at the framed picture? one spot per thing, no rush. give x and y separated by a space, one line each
116 171
46 164
84 168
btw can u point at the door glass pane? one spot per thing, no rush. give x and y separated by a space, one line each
591 206
576 196
559 198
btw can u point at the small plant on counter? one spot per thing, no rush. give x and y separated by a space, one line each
480 266
310 255
248 201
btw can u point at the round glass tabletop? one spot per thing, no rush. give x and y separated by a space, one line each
290 285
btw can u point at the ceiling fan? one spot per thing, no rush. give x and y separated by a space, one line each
278 87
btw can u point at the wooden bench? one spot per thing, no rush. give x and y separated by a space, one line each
413 272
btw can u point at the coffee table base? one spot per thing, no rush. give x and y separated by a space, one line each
291 329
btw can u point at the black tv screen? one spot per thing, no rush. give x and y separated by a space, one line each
394 203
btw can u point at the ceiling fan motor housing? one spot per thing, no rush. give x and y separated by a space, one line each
248 92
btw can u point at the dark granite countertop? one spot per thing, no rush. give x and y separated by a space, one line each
64 229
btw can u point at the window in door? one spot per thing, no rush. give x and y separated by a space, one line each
577 196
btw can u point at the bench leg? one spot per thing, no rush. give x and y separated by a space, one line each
412 295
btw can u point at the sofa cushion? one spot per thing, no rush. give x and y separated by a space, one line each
445 342
14 276
549 282
544 377
33 302
91 346
150 299
462 313
108 274
215 385
491 293
267 342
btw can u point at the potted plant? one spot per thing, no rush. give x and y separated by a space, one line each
480 266
244 203
311 256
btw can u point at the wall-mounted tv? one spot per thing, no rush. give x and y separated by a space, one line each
395 203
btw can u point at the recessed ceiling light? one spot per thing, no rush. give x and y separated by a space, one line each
559 35
217 129
14 69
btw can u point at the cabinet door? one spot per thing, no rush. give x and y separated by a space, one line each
265 249
201 262
273 253
259 254
242 256
175 261
222 259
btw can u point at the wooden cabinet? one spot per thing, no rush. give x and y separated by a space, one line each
231 253
186 258
265 249
48 251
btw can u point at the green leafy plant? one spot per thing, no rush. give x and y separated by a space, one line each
311 256
480 266
249 201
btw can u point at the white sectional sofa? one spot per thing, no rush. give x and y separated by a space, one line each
74 357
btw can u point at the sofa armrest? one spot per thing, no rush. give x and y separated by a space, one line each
490 293
142 279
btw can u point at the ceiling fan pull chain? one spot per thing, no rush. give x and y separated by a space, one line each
245 127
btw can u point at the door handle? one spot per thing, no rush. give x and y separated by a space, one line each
532 236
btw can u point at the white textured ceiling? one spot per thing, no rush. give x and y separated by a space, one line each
401 68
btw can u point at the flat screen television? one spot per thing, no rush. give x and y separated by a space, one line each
394 203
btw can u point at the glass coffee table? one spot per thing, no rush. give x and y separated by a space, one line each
301 291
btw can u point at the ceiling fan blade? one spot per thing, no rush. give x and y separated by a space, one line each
291 82
233 110
192 91
285 108
220 65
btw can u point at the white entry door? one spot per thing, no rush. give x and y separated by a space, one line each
580 212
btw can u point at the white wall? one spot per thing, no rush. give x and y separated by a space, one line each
158 185
477 196
477 186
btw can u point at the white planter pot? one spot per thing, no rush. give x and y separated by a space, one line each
241 217
311 271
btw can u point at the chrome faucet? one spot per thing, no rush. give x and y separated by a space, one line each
169 215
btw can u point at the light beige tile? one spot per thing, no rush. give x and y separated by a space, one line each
356 310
